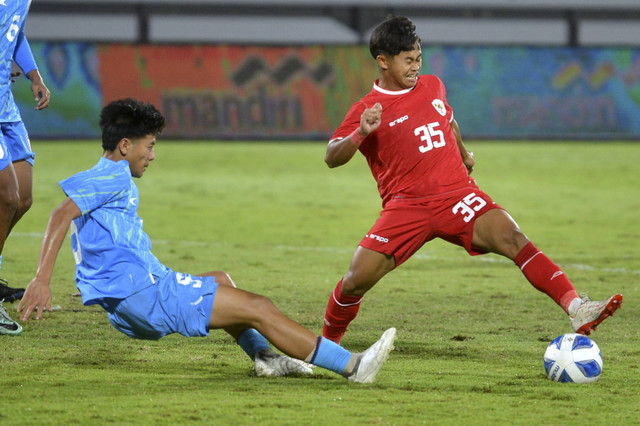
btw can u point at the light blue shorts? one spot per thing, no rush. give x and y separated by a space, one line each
176 303
14 144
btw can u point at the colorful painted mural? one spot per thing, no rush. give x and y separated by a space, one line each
283 93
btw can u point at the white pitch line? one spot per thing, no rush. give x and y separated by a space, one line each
338 250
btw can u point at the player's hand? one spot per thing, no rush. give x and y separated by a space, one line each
37 296
469 161
40 92
371 118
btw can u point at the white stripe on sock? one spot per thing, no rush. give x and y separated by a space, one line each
333 294
530 259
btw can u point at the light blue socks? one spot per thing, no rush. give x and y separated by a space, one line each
252 342
329 355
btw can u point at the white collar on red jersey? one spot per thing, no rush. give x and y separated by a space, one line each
391 92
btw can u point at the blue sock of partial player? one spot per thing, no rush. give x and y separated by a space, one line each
252 342
330 355
0 261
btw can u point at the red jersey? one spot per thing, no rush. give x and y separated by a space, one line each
414 152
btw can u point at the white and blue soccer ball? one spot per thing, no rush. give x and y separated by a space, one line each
573 358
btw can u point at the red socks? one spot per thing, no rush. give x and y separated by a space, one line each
541 272
545 275
341 310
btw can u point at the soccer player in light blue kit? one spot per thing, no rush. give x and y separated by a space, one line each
144 298
16 156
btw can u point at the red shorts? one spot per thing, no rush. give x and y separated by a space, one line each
406 224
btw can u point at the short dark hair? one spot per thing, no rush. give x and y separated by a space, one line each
128 118
396 34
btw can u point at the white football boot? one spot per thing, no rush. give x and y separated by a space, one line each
268 363
372 359
591 313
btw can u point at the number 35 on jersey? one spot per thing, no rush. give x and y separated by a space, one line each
431 137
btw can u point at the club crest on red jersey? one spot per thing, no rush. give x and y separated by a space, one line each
439 106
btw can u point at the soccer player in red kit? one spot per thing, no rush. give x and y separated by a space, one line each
406 131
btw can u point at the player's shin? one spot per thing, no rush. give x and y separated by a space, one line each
332 356
546 276
341 310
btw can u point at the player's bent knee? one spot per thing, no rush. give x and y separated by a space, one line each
261 307
353 285
222 278
24 205
512 242
9 199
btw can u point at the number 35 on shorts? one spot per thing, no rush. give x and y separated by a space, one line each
469 206
186 279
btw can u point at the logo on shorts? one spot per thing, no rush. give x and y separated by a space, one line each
378 238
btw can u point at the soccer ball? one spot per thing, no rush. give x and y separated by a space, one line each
573 358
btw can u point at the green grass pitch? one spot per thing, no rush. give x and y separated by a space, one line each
471 331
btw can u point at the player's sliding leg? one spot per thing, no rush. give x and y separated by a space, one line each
360 367
234 308
497 232
367 268
266 361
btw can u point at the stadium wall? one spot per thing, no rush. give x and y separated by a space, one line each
297 92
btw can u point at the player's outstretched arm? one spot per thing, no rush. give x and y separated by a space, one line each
24 58
38 293
340 151
467 156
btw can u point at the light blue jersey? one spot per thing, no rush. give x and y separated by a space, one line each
13 14
112 252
